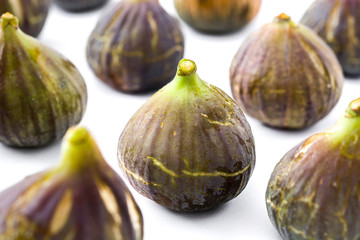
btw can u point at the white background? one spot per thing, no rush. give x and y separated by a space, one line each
108 111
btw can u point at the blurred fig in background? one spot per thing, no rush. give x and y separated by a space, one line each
81 199
286 76
313 192
42 94
79 5
337 22
217 16
189 147
32 14
136 46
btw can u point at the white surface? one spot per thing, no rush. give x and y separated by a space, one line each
108 111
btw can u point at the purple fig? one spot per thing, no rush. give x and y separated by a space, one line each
189 147
286 76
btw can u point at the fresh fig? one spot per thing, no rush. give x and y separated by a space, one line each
337 21
189 147
42 94
313 192
286 76
32 14
217 16
136 46
81 199
79 5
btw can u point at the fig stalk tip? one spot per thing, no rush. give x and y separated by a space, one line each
186 67
354 109
9 19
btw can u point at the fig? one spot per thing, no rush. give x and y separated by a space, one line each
313 192
42 94
136 46
79 5
336 22
189 147
32 14
286 76
217 16
81 199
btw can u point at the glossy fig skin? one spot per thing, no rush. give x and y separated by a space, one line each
42 94
285 76
82 199
79 5
217 16
32 14
136 46
313 192
189 147
337 21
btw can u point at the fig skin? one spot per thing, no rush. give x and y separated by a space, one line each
32 14
79 5
189 147
136 46
285 76
313 192
217 16
337 21
81 199
41 99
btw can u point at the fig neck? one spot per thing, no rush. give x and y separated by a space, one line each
348 127
79 152
186 77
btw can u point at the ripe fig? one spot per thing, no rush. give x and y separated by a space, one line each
189 147
81 199
42 94
79 5
337 21
32 14
313 192
285 75
217 16
136 46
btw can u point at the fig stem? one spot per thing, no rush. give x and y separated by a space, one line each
353 109
186 67
284 18
9 19
79 151
349 125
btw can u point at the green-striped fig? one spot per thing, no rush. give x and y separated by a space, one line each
79 5
217 16
286 76
32 14
81 199
337 21
136 46
314 190
42 94
189 147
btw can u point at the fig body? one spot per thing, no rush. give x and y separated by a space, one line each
81 199
217 16
42 94
189 147
136 46
79 5
32 14
286 76
337 21
313 192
